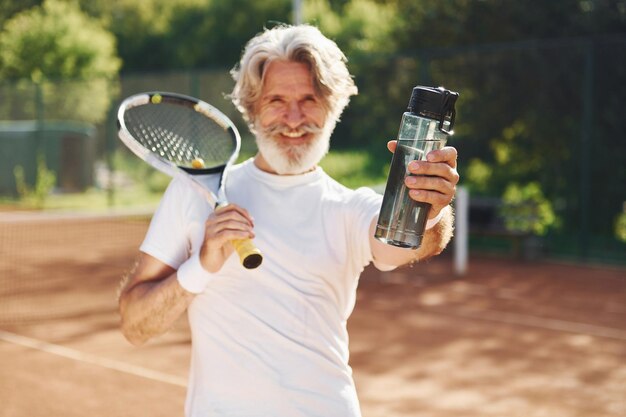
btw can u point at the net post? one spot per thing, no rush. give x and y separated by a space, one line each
297 12
461 230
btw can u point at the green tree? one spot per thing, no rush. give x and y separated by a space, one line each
620 226
157 35
44 182
521 69
143 29
214 34
363 29
523 103
527 210
8 8
57 42
358 26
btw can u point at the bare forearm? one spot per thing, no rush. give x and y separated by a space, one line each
436 238
433 243
150 308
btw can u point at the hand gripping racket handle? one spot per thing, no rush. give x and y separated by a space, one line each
249 255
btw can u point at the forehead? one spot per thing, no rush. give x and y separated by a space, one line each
287 77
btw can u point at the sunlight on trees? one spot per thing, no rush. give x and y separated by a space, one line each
57 42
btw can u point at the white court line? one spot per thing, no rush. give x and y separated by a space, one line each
531 321
91 359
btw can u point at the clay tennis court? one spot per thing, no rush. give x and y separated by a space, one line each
507 339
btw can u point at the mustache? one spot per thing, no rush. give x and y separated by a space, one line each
279 128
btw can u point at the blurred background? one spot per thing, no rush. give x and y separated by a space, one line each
535 327
541 127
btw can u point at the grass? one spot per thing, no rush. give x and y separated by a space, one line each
354 168
351 168
90 200
144 186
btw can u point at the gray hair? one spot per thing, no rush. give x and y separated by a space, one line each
303 43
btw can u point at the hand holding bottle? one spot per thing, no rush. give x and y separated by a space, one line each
423 170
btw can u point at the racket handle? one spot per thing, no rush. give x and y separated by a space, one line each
249 255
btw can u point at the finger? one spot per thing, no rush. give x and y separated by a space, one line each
447 155
436 199
231 211
218 226
433 169
227 216
391 145
219 242
227 235
214 229
438 184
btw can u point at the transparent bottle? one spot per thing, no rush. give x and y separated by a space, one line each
424 127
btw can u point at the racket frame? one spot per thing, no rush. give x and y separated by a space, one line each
249 255
169 167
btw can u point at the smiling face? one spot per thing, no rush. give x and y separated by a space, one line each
292 133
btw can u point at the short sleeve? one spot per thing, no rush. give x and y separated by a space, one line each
167 238
364 206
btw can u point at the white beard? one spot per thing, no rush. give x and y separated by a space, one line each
289 159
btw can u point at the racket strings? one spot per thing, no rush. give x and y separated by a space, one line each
180 134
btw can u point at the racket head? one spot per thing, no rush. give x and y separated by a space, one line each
175 132
172 132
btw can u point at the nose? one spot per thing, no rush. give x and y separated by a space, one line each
294 115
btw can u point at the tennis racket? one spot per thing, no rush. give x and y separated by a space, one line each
184 137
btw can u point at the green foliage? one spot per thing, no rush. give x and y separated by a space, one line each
478 175
57 42
358 26
430 23
20 181
86 101
352 168
527 210
44 183
140 173
9 8
620 226
521 77
163 34
364 30
522 107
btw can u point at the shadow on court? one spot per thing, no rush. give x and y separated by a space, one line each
507 339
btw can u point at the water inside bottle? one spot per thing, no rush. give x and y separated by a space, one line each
402 218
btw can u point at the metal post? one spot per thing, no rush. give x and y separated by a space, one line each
297 12
461 230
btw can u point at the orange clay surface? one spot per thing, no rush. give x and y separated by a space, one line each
506 339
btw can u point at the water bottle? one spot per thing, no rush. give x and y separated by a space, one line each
424 127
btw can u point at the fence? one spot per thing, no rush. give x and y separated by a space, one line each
544 112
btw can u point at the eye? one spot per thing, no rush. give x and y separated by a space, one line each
276 100
309 101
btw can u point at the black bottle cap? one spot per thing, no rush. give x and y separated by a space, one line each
434 103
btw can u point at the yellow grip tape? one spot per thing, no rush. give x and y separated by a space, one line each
249 255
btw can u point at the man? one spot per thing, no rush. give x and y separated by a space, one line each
272 341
